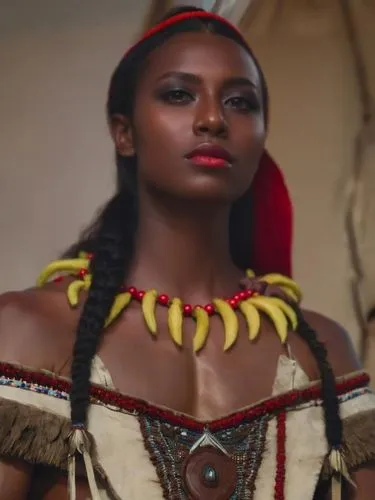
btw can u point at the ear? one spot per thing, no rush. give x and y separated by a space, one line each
122 135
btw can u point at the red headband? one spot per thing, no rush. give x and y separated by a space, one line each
272 208
199 14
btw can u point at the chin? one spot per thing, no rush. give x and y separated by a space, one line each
209 189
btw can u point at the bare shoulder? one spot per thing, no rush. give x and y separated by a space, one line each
337 341
37 328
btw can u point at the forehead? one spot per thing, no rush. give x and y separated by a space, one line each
204 54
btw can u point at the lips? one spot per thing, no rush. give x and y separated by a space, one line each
211 156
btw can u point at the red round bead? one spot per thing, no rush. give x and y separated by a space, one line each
237 297
140 295
133 291
82 273
243 295
210 309
188 309
233 303
90 255
249 293
163 299
58 279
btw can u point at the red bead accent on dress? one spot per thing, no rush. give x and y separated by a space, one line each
280 457
130 404
133 291
140 295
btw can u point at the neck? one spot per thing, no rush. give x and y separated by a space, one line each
184 251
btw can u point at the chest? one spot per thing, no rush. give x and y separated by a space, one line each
205 385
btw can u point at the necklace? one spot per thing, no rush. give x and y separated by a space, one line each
251 303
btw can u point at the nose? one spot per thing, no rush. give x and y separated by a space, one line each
210 119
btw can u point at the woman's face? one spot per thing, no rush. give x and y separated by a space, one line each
198 125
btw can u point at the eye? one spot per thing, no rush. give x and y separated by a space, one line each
243 104
177 96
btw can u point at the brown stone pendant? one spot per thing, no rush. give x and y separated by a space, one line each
209 474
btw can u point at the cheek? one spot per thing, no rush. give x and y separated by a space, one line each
249 143
250 140
163 133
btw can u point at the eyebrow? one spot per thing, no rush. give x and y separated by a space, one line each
195 79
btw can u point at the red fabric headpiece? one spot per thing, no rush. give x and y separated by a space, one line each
272 226
272 220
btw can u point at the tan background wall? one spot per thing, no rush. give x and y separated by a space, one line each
56 158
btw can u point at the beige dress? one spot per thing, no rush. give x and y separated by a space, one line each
272 450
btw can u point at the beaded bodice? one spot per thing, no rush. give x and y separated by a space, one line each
146 451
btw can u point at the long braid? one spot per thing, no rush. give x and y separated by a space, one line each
113 254
333 421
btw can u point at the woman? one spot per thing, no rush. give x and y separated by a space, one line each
211 415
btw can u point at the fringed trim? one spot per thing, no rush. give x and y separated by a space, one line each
41 437
358 449
359 439
33 435
339 472
81 443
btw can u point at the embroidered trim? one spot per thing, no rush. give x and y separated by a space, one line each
45 383
280 457
40 389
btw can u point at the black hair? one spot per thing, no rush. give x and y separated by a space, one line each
111 237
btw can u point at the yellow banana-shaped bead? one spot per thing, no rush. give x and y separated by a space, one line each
66 265
73 291
202 328
274 313
83 255
291 294
175 320
283 282
252 318
230 322
287 310
148 309
121 302
87 281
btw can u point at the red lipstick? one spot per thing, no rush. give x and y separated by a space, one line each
210 156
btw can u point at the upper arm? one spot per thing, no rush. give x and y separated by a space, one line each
19 343
15 480
29 337
340 350
343 359
32 332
